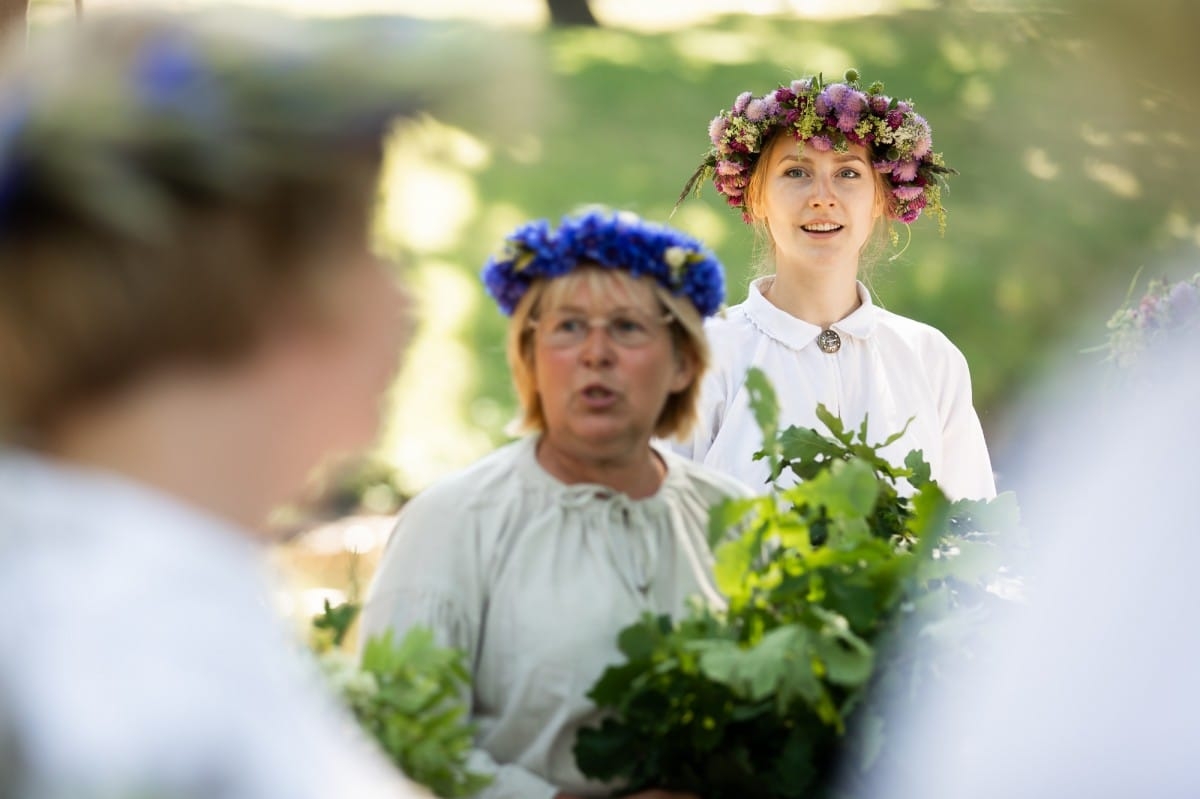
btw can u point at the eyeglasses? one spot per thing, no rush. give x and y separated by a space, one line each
561 330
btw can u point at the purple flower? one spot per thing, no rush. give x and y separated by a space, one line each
824 103
13 123
802 86
729 168
169 76
743 100
165 71
852 100
1183 301
895 119
905 171
716 129
756 110
784 95
821 142
922 147
880 103
1147 312
836 93
909 211
847 121
907 192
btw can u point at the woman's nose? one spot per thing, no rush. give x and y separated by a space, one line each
822 194
597 348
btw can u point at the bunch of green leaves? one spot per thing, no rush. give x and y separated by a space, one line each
756 699
408 696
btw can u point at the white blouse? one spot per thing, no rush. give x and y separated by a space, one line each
143 655
533 579
889 369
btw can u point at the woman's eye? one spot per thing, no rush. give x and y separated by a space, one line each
849 173
795 172
569 324
626 325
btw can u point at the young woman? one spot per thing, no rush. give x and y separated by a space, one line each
820 170
532 560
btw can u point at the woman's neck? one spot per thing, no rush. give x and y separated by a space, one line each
638 475
181 438
819 299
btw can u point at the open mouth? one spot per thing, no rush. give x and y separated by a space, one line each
820 227
597 392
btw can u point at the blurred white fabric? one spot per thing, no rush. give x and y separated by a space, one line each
1091 689
142 656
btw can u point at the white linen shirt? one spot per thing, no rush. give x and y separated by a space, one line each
889 369
143 656
533 579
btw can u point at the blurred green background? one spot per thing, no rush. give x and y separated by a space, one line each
1072 125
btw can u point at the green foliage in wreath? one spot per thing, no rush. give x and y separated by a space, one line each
759 699
408 696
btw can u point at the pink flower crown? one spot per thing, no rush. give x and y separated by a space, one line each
830 116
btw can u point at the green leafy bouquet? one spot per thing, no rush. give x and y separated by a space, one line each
758 699
407 696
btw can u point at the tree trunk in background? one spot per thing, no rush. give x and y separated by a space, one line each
566 12
12 14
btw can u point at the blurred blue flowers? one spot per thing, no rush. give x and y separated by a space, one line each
612 240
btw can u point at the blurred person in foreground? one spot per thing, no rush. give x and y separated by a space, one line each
532 560
1089 688
190 321
822 171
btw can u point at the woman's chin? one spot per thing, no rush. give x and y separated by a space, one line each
603 434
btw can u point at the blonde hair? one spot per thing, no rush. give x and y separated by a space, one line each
678 415
764 243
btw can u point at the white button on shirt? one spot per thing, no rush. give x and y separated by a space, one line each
888 369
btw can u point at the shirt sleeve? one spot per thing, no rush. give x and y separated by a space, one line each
710 411
967 469
432 575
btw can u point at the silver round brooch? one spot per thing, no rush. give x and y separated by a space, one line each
829 341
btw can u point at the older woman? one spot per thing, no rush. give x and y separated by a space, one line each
534 558
190 320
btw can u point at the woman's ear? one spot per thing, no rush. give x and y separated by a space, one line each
685 370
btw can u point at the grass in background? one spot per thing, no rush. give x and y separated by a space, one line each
1073 174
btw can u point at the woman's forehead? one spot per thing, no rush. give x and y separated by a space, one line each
598 288
784 146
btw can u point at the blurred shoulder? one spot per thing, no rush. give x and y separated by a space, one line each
732 321
475 487
732 336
